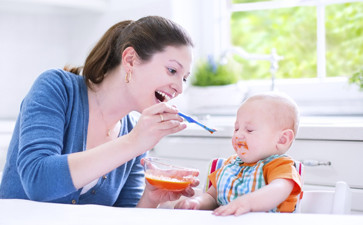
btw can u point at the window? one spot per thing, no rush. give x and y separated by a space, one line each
316 38
321 43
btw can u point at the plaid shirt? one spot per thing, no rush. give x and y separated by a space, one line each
237 178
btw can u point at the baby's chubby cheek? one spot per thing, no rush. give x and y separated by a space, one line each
234 143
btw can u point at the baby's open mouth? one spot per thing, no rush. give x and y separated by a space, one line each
161 96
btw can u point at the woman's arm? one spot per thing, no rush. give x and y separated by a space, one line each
51 160
93 163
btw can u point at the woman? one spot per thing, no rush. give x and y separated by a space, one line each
74 139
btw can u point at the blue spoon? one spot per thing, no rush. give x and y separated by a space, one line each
191 120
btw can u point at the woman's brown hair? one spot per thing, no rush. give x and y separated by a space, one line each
147 36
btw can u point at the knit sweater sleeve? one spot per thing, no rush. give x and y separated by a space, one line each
42 163
134 185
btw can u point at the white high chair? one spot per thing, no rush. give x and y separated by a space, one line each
337 201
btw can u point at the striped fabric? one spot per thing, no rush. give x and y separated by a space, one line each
213 166
235 180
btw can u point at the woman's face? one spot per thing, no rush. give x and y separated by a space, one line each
162 77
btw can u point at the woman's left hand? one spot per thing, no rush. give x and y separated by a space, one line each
157 196
154 196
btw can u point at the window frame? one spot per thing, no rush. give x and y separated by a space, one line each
310 92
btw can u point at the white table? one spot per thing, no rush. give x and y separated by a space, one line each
36 213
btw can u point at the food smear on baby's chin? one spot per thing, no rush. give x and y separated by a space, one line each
167 183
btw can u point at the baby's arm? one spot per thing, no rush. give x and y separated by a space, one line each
206 201
262 200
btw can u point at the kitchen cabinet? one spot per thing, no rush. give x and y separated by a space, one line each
331 148
328 161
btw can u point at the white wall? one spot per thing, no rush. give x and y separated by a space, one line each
36 37
29 43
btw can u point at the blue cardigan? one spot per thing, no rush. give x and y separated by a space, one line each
52 124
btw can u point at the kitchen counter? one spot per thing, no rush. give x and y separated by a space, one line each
16 211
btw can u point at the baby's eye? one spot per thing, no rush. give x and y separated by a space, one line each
249 130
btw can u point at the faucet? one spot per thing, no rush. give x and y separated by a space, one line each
273 58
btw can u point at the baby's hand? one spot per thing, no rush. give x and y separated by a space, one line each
237 207
188 203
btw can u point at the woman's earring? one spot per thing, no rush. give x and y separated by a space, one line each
127 77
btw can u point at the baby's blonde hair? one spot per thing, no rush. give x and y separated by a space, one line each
285 108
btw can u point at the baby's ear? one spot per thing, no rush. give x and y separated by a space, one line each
285 140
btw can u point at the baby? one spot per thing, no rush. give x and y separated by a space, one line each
259 178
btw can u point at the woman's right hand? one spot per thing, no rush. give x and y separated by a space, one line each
154 123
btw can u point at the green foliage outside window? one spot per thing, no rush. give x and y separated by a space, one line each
213 73
357 78
344 38
292 32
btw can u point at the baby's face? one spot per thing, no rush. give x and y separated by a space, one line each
256 135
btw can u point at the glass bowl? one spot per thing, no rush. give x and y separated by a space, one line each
163 174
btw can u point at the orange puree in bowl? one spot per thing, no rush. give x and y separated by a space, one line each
172 184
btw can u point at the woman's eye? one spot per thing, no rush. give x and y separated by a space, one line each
185 79
172 71
249 131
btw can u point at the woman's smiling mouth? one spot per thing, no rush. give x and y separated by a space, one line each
162 97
